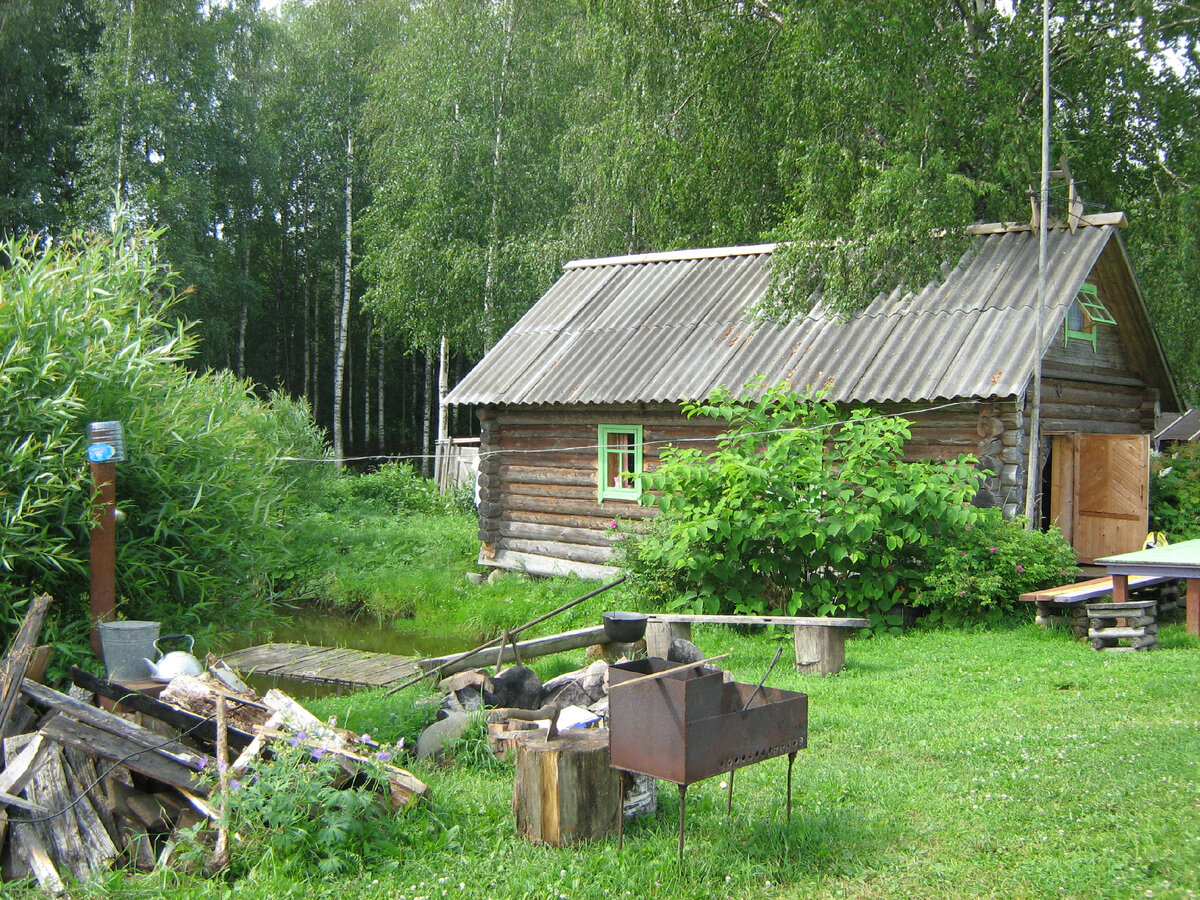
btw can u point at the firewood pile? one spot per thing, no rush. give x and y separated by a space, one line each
106 776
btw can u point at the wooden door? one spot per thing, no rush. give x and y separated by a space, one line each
1100 491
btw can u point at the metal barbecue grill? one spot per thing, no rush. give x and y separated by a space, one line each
689 725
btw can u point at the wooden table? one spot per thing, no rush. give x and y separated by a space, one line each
1180 560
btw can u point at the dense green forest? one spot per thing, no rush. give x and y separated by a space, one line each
364 194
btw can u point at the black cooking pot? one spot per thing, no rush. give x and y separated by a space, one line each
624 627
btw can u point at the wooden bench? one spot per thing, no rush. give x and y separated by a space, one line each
1056 604
820 641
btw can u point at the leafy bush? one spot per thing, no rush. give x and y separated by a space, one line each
299 811
651 579
1175 493
976 573
90 336
800 508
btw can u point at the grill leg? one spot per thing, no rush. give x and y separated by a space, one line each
791 762
729 797
621 812
682 815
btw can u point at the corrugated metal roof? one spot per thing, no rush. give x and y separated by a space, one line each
672 327
1176 427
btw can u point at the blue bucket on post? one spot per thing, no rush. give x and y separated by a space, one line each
126 646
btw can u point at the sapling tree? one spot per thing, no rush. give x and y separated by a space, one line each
801 508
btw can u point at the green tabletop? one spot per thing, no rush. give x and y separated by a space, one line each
1185 554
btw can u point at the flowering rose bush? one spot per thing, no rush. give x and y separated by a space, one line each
977 572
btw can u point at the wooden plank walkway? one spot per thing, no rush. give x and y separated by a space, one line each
358 668
325 665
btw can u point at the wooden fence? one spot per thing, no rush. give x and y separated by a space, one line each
456 463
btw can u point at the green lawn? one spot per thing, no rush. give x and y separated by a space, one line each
940 764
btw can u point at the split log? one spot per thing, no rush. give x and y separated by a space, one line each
143 810
72 834
13 667
113 724
29 848
136 754
298 718
199 696
26 756
84 777
564 791
39 662
255 747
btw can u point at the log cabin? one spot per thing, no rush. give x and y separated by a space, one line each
587 386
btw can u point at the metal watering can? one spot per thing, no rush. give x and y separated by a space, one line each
177 662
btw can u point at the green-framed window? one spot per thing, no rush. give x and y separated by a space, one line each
1084 314
620 463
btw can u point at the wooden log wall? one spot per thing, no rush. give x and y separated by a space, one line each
538 476
1097 392
538 468
989 431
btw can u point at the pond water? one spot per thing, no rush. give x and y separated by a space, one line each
331 628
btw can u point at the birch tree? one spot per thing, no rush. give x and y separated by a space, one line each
464 122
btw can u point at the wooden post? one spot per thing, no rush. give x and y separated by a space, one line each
820 649
564 791
1120 588
660 634
1193 606
102 590
220 857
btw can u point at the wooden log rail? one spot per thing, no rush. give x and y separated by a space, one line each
820 641
530 649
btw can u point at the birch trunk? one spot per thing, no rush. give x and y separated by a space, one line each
343 313
493 237
379 362
348 405
427 417
443 432
244 311
123 127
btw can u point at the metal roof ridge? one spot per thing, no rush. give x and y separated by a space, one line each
1095 220
671 256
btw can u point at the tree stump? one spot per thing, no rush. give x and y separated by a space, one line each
563 789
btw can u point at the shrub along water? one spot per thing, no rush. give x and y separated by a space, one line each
90 333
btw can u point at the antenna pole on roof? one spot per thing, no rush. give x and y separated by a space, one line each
1033 466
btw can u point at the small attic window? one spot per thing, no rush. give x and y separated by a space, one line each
620 462
1085 313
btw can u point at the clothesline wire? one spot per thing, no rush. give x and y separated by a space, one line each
582 447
